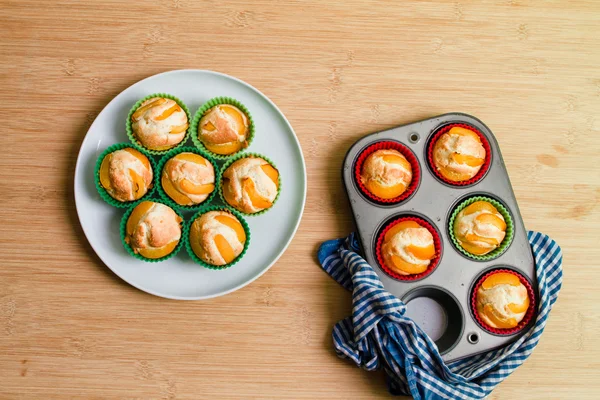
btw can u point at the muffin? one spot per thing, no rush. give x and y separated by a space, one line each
217 237
126 174
408 248
153 230
479 228
188 179
250 184
386 173
159 123
458 154
502 300
223 129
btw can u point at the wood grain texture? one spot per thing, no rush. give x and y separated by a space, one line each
70 329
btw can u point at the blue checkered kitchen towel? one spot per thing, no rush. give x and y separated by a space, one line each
378 335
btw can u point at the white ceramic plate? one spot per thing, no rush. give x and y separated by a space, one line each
179 277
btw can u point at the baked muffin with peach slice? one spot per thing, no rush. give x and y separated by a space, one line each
479 228
224 129
159 123
250 184
153 230
217 237
408 248
126 174
502 300
386 173
458 154
188 178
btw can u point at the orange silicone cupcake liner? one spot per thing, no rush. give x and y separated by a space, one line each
388 145
528 315
484 167
437 243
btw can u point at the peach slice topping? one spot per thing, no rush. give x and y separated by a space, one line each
477 250
173 193
422 253
228 194
192 157
500 278
140 111
159 252
224 248
239 117
178 129
397 159
497 320
139 186
104 178
480 206
271 172
457 130
192 188
168 112
468 160
258 202
136 215
233 224
209 126
519 308
385 192
476 238
399 227
406 267
224 149
139 156
492 219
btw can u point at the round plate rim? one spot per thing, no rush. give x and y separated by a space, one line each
298 219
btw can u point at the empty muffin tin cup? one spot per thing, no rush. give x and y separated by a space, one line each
436 243
437 313
388 145
528 315
508 237
484 167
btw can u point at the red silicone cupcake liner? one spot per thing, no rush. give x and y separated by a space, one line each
482 170
388 145
528 315
434 261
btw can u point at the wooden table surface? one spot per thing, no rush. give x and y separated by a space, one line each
70 329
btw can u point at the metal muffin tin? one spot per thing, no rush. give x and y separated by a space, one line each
440 302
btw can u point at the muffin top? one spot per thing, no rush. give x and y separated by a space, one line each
479 228
126 174
250 184
188 178
386 173
153 229
502 300
458 154
408 248
223 129
217 237
159 123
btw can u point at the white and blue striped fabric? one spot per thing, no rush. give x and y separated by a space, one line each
378 335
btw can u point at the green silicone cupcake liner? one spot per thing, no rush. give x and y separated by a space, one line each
210 104
238 157
509 228
104 194
202 211
132 137
123 232
165 197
